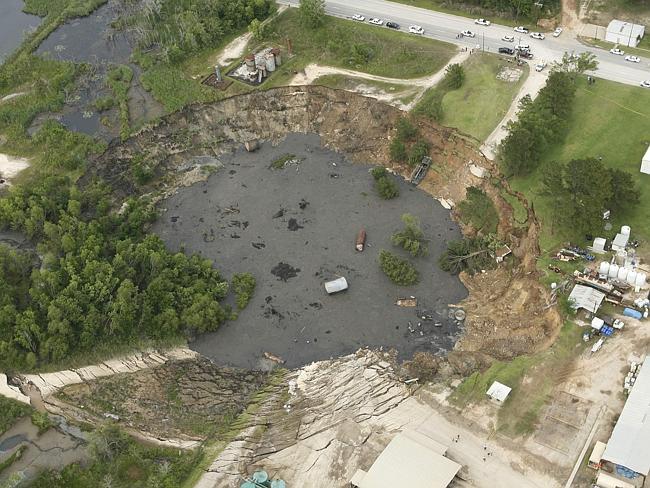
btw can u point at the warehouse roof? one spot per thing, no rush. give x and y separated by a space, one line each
411 460
625 28
629 444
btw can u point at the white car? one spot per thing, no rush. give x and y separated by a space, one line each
416 29
540 66
633 59
521 30
375 21
467 33
358 17
557 32
482 22
616 51
537 35
508 38
645 84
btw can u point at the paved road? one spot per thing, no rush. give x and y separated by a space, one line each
445 27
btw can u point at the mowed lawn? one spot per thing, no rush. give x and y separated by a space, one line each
359 46
612 121
479 105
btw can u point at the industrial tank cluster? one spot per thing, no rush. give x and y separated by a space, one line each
623 264
259 66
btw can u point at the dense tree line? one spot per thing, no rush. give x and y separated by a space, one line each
582 189
102 280
542 122
529 9
182 27
479 211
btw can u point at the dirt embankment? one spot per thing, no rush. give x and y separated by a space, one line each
507 313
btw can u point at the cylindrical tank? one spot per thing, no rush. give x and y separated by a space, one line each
640 280
622 273
250 62
613 270
620 258
625 230
260 62
631 277
278 57
270 62
278 484
603 270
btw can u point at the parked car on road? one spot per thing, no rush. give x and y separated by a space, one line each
645 84
392 25
521 29
416 29
375 21
482 22
537 35
557 32
540 66
616 51
506 50
358 17
508 38
633 59
522 47
467 33
526 54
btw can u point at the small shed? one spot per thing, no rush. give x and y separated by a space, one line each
501 253
645 162
597 455
499 392
599 245
624 33
620 242
586 297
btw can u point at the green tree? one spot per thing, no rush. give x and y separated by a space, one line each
257 29
243 284
398 151
386 188
398 270
406 131
478 211
419 150
625 193
468 254
312 12
411 238
454 77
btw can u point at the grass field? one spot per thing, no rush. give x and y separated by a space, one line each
477 107
609 120
363 47
440 6
532 379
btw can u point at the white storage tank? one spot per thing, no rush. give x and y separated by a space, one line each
640 280
603 270
613 270
620 258
270 62
625 230
631 277
622 273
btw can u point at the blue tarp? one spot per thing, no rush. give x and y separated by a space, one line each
630 312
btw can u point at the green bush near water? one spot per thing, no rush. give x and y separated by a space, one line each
399 271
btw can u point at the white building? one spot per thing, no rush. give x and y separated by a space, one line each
645 162
629 445
499 392
624 33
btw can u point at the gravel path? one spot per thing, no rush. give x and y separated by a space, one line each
294 229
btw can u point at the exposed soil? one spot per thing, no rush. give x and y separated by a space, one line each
180 399
501 303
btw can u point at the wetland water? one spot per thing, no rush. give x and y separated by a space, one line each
294 229
14 24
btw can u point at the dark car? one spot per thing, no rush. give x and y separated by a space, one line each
506 50
392 25
526 54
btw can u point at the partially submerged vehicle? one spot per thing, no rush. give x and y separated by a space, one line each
361 240
337 285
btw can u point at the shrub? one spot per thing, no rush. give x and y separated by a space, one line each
398 151
431 105
104 103
386 188
467 254
405 130
419 150
243 284
411 238
399 271
378 172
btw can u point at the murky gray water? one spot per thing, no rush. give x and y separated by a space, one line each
294 229
14 24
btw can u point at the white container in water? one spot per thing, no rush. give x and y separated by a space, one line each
625 230
631 277
613 270
622 273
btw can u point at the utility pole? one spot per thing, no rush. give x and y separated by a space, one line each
483 39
